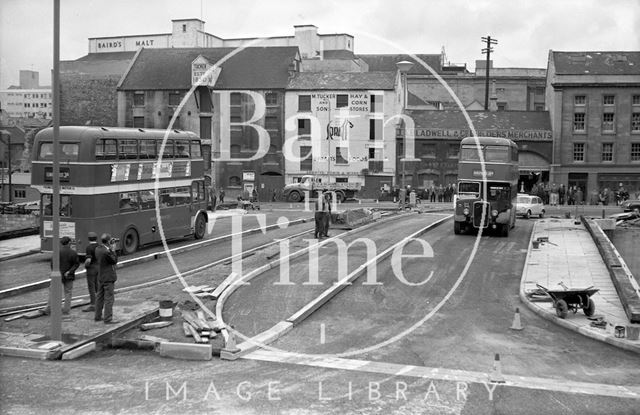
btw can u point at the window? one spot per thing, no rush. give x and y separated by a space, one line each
502 106
19 194
271 98
272 123
138 122
169 151
578 151
342 101
304 127
106 149
608 121
195 149
635 151
539 107
635 100
635 122
234 181
454 151
579 100
376 103
129 202
607 151
147 199
174 99
65 205
307 163
182 149
342 155
427 150
609 99
236 98
128 149
138 99
148 149
578 121
182 195
304 103
165 198
375 129
372 153
184 28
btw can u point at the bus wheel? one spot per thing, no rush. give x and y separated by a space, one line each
457 228
130 241
340 197
294 197
201 227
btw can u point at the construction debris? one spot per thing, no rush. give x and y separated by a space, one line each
155 325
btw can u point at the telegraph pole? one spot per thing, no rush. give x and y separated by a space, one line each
487 51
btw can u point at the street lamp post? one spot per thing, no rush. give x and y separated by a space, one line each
404 67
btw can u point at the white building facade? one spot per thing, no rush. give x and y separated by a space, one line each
341 127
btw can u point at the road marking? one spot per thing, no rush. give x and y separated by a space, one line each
322 333
525 382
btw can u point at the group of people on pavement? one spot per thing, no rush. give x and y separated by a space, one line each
575 195
100 265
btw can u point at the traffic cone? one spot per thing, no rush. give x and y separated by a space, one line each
516 325
496 374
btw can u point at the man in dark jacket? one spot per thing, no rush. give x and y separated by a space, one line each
69 263
91 265
107 259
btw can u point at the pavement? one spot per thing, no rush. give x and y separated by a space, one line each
571 258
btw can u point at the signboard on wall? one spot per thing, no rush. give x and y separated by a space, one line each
201 72
248 176
448 134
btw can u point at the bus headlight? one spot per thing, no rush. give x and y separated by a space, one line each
466 211
494 212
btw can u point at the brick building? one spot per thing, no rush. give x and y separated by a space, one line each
594 102
437 142
247 87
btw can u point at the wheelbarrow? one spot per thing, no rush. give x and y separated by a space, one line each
572 299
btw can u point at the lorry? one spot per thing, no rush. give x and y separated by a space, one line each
310 184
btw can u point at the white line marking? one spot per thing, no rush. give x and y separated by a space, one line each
322 333
525 382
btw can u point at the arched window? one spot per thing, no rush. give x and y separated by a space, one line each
234 181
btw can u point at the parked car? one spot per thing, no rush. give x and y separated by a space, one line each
630 205
527 205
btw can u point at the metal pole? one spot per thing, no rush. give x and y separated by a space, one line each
9 169
55 288
486 85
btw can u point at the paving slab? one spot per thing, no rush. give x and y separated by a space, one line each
571 257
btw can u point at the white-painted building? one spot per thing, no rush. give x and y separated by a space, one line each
190 33
341 126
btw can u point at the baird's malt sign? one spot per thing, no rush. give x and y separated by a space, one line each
515 135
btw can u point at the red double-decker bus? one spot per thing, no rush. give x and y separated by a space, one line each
108 184
486 202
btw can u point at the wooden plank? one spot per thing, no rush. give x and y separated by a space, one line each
187 351
155 325
79 351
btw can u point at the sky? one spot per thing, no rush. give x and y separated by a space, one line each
525 29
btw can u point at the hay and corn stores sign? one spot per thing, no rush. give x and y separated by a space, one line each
452 134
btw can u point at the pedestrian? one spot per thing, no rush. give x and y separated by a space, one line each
213 198
561 194
69 263
221 195
107 259
321 206
91 266
553 196
327 215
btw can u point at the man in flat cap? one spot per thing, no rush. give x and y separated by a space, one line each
107 259
91 265
69 263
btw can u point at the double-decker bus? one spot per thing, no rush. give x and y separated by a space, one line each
489 203
108 185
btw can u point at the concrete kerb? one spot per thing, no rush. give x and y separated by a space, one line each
146 258
563 322
283 327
